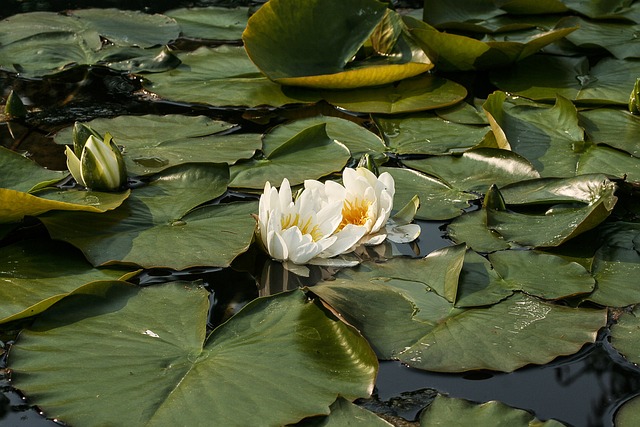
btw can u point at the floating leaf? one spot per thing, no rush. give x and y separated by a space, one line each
506 336
428 134
215 23
135 348
223 76
159 227
438 200
451 411
615 128
616 264
620 39
358 140
627 414
330 32
544 77
471 228
477 169
452 52
34 275
345 413
575 206
310 154
153 143
553 140
624 336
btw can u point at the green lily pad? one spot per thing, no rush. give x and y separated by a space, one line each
64 41
464 113
438 200
358 140
544 77
477 169
604 9
547 276
627 414
428 134
136 349
624 336
213 23
506 336
452 52
471 228
553 140
424 92
616 264
330 32
615 128
36 274
575 205
159 227
310 154
345 413
224 76
451 411
619 39
153 143
22 174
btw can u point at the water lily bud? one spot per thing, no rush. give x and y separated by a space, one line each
100 166
82 132
634 99
367 162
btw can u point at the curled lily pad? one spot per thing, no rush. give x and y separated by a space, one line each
331 33
460 53
216 23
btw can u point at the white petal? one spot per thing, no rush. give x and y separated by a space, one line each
374 239
334 262
346 240
73 164
276 246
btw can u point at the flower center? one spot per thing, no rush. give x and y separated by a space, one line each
306 227
355 212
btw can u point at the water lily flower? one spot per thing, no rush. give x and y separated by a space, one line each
296 230
99 166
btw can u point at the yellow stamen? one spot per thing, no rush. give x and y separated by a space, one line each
354 212
305 227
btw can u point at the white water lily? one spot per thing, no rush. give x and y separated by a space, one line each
297 230
100 166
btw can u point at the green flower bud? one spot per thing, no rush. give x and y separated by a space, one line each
100 166
634 99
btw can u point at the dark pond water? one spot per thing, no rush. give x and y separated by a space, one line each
581 390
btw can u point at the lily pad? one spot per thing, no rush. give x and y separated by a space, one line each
310 154
471 229
563 219
553 140
345 413
616 265
544 77
615 128
506 336
22 174
619 39
330 32
159 227
358 140
34 275
223 76
153 143
452 52
64 41
172 361
424 92
213 23
627 414
546 276
624 336
429 134
451 411
477 169
438 200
